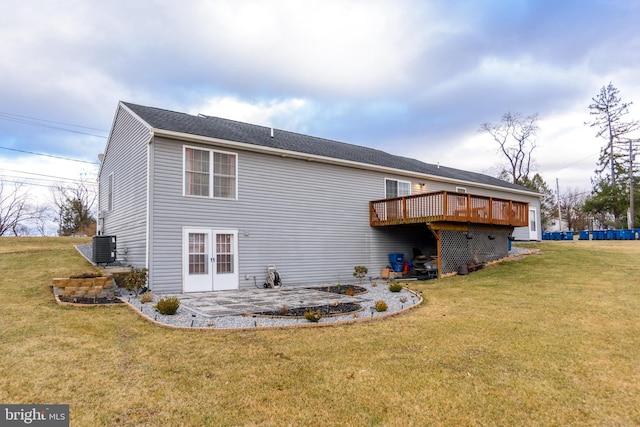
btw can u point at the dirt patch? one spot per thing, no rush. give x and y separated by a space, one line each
328 310
89 300
85 276
342 289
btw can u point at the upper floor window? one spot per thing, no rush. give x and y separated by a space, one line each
394 188
210 173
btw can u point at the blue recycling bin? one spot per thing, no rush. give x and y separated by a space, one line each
397 266
583 235
568 235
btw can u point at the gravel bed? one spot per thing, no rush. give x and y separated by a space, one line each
515 250
396 301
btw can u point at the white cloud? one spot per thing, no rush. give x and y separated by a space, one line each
332 48
288 114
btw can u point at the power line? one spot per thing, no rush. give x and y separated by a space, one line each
40 174
39 123
33 184
51 121
50 155
42 181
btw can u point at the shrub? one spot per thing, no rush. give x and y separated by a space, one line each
360 271
381 306
136 280
350 292
168 305
313 316
395 287
146 297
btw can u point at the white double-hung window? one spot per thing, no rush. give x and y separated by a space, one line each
210 173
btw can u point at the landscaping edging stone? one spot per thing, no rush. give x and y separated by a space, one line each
186 319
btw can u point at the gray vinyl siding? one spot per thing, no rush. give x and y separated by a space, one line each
309 219
126 158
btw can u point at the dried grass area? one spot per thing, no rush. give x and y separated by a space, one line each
551 339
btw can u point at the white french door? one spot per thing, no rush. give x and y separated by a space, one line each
210 259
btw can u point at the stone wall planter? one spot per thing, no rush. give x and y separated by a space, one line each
99 287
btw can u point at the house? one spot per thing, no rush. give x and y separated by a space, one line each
207 203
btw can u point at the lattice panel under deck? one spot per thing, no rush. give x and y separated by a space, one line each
456 249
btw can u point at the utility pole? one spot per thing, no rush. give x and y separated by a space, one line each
559 209
632 210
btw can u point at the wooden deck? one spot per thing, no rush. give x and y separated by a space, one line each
444 206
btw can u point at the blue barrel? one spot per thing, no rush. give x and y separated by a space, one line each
395 258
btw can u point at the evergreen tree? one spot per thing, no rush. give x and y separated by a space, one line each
609 197
75 216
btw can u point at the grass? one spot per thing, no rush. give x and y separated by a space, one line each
549 340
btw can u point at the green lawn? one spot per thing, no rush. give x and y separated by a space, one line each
552 339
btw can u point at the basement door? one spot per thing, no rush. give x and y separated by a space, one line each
210 260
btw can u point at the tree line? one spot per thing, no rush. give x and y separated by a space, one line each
611 201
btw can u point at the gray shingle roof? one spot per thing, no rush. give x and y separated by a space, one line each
230 130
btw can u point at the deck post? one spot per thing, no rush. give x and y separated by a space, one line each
445 212
404 210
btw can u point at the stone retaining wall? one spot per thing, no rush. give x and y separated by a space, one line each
99 287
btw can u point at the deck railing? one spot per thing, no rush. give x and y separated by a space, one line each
448 207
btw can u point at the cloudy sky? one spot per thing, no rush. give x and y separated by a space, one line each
412 77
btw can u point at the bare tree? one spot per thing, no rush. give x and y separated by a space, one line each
41 216
75 206
13 208
515 136
572 206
